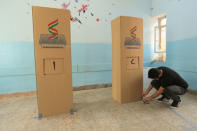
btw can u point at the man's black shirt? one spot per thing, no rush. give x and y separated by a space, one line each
170 77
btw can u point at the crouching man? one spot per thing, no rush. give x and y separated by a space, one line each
168 83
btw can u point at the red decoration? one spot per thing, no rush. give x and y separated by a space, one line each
84 8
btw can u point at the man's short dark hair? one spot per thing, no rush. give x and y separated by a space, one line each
153 73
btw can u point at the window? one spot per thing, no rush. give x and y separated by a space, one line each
160 39
160 35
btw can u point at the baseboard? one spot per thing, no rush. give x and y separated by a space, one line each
87 87
191 91
18 94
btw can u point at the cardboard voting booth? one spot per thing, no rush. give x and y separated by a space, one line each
127 59
52 47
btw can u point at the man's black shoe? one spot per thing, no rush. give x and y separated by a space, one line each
176 103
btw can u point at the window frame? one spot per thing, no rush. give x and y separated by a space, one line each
159 27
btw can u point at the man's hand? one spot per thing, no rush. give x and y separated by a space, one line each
157 93
145 100
144 93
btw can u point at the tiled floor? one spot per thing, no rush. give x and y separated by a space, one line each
96 111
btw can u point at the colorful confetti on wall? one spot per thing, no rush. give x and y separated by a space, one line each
65 6
97 19
84 9
80 11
